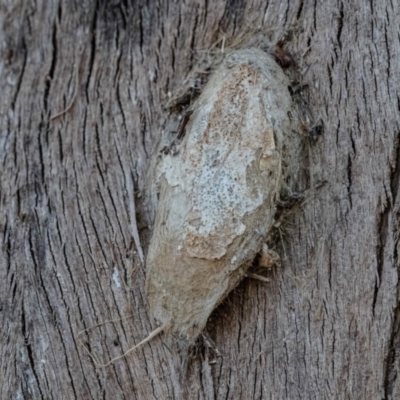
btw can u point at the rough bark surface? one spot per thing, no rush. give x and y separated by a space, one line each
82 88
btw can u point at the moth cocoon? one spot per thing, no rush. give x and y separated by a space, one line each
218 193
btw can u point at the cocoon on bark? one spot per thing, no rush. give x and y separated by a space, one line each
218 193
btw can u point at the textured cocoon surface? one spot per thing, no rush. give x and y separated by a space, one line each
218 194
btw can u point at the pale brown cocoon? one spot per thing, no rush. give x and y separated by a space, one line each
218 194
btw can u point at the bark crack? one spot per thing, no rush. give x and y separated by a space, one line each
51 69
28 347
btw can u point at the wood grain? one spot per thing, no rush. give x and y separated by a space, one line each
326 326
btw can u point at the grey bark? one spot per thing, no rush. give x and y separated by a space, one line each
73 205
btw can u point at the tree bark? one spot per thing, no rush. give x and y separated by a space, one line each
83 85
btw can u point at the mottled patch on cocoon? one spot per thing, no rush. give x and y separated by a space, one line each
218 194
